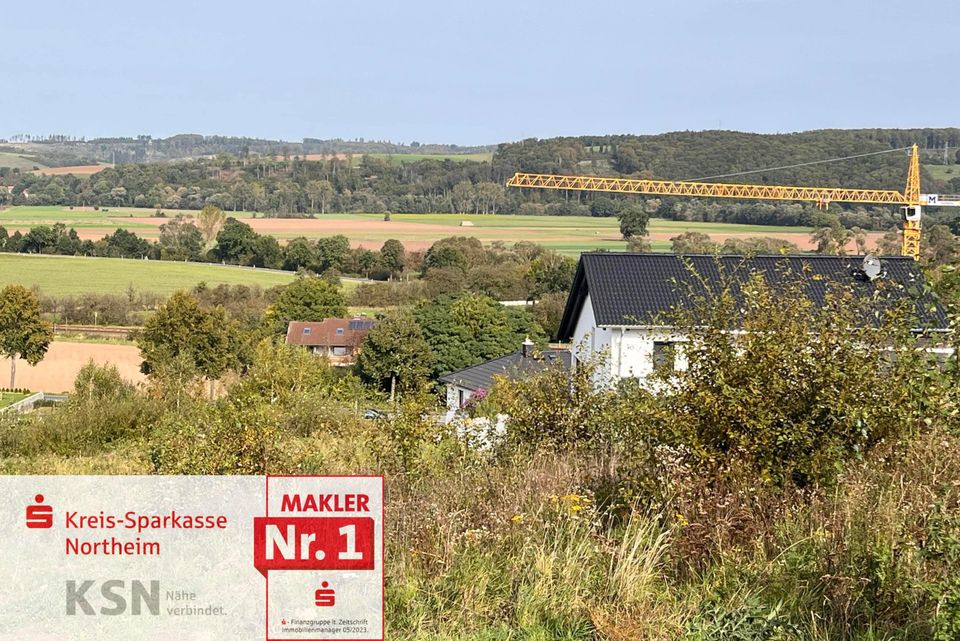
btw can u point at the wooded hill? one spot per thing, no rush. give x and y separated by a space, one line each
59 150
689 155
291 185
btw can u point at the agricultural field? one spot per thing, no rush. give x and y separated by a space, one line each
23 162
76 170
64 359
72 275
568 234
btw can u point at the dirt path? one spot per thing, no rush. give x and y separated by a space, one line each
58 370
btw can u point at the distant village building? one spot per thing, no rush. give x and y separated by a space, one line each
467 383
618 302
338 339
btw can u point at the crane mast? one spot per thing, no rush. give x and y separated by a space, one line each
910 200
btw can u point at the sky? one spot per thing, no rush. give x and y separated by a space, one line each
474 73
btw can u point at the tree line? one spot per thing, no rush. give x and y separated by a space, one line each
288 184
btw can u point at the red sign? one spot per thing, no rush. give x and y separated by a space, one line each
313 543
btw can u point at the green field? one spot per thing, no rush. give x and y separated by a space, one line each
23 162
945 173
656 225
568 234
70 275
9 398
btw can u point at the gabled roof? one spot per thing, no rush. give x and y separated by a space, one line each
628 289
332 332
514 365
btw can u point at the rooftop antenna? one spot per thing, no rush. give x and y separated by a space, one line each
872 268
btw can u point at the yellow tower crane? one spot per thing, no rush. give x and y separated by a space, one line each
910 200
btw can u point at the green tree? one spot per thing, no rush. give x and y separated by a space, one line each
182 327
548 312
464 197
236 242
471 328
939 245
692 242
180 239
125 244
551 273
265 252
639 244
832 240
633 220
320 192
393 256
23 333
604 207
299 253
332 252
442 257
860 238
395 356
308 298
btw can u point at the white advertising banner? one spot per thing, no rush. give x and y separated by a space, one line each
191 558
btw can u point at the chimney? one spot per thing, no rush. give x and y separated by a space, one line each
527 347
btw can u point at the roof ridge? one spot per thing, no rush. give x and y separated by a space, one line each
745 256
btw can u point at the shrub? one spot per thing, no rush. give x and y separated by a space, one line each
791 389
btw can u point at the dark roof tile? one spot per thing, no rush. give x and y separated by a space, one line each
637 289
512 365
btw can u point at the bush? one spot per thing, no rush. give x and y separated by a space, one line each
802 388
102 412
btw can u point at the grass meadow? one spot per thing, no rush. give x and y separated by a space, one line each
23 162
72 275
9 398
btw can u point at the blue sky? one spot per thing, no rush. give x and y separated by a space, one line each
477 72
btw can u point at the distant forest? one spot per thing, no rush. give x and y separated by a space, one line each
278 180
56 150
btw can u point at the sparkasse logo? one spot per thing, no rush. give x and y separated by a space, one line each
40 516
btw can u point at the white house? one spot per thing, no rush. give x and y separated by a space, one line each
620 302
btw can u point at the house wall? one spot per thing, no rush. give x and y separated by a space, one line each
453 396
631 351
628 351
588 339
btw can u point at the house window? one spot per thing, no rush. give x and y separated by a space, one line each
461 399
306 331
339 351
339 331
664 357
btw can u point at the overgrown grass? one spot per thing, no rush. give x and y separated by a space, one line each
578 542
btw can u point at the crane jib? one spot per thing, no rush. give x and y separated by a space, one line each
709 190
910 200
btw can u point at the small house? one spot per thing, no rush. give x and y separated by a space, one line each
475 380
338 339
